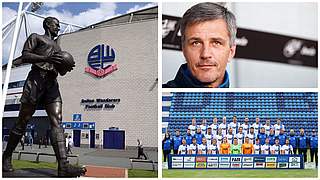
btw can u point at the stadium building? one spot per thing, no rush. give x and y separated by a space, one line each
110 98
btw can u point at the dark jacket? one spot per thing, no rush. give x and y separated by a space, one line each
184 79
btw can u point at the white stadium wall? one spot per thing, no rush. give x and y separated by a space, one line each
134 83
290 19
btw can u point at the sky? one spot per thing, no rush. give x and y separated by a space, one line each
82 14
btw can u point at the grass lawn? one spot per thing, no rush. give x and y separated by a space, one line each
304 173
132 173
138 173
19 164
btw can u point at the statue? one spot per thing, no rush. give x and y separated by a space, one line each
41 86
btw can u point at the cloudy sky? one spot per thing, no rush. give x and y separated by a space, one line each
82 14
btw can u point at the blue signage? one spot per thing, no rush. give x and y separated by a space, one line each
76 117
79 125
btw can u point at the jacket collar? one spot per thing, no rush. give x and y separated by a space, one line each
185 79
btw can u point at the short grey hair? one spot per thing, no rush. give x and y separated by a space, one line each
209 11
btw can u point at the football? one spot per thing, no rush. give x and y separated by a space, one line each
67 63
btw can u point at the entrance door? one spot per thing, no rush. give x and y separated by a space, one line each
92 138
113 139
76 138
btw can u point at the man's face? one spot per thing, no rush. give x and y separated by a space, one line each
209 130
257 120
177 133
251 130
271 131
193 121
215 120
246 120
234 119
240 130
224 120
230 131
207 50
184 142
267 141
198 130
53 27
204 141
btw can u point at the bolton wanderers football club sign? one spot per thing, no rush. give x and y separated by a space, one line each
100 60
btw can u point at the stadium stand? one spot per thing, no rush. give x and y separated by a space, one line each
296 110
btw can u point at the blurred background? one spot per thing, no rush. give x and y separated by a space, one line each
277 44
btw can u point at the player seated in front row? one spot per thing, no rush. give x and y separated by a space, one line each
192 149
213 148
287 148
276 147
265 149
257 147
235 147
202 148
183 148
225 146
247 148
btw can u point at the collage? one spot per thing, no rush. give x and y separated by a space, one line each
159 89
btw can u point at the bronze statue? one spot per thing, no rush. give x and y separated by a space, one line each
41 87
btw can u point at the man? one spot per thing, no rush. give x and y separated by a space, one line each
286 148
41 88
199 136
265 149
275 149
247 147
230 136
282 137
70 145
183 148
193 148
314 146
257 147
272 137
234 125
140 149
209 136
240 136
251 135
203 126
214 126
188 137
235 147
213 148
278 127
267 127
219 137
193 126
208 33
245 125
293 141
223 126
202 148
256 126
262 136
302 144
177 141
